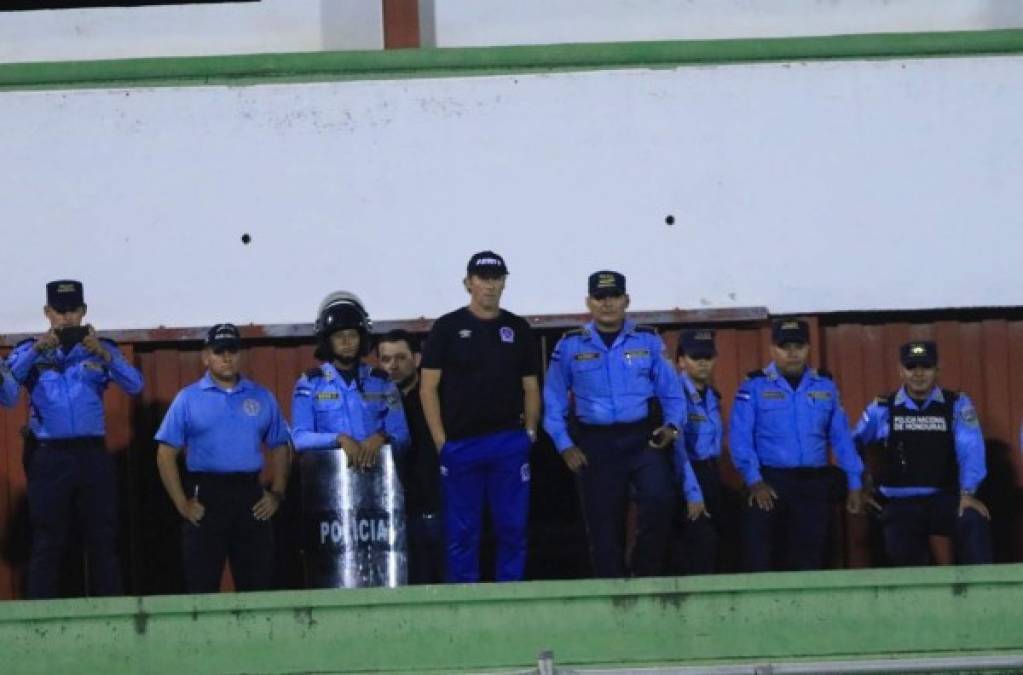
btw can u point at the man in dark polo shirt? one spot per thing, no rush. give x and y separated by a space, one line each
399 355
481 401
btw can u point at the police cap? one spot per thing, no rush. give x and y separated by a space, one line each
606 284
223 336
697 344
921 353
790 330
65 295
486 264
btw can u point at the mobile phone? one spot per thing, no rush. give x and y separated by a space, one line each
69 336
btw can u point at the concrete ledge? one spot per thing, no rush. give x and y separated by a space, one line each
846 614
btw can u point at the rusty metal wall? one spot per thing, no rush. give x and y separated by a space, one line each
981 355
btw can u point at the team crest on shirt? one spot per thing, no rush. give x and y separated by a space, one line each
465 333
507 334
251 407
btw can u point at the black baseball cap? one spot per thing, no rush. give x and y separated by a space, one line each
606 283
922 353
697 343
224 335
790 331
486 264
65 295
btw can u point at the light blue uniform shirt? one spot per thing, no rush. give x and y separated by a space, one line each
324 405
968 438
701 434
610 385
775 425
223 430
66 390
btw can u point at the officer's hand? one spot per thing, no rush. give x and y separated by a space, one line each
969 502
763 495
193 511
266 507
575 459
662 436
854 502
371 450
353 451
871 502
95 347
47 341
694 510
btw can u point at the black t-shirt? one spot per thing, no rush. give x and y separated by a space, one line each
482 363
421 464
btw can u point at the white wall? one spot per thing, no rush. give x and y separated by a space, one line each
815 186
191 30
487 22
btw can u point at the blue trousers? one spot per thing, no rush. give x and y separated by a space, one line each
491 469
700 537
908 522
798 522
72 483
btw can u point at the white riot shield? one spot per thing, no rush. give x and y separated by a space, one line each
354 522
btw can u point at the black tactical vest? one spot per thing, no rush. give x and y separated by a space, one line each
920 449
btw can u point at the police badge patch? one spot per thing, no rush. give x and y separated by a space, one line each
251 407
507 334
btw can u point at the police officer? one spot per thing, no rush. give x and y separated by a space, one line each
782 421
399 355
8 387
344 402
699 446
222 422
615 369
65 372
481 400
932 463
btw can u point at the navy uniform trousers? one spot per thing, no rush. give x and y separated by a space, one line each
699 537
908 523
619 458
798 522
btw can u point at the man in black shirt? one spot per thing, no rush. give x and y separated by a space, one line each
399 355
481 401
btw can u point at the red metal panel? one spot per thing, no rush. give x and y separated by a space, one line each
401 24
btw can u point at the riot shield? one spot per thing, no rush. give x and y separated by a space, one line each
354 522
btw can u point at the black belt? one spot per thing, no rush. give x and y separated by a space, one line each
227 476
73 443
801 471
638 427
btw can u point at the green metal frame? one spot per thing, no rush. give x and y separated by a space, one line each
460 62
846 614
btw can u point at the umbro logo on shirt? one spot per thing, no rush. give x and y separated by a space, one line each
465 333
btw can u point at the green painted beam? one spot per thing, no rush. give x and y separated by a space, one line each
847 614
458 62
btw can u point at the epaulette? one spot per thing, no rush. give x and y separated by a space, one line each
642 328
25 341
575 332
883 401
753 374
825 374
377 372
313 373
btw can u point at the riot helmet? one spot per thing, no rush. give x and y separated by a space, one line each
339 311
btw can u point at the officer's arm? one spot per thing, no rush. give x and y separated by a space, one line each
668 388
531 404
969 442
21 360
167 464
395 424
123 373
429 383
303 421
842 442
171 437
740 434
278 439
868 429
555 397
8 387
690 486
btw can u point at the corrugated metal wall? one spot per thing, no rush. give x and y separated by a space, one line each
981 355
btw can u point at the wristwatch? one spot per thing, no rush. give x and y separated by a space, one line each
966 493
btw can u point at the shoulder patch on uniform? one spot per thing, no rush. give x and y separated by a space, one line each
313 373
753 374
742 395
969 416
575 332
883 401
643 328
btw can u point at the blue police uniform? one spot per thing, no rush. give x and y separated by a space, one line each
697 451
325 405
223 432
613 387
921 491
780 434
8 387
67 456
